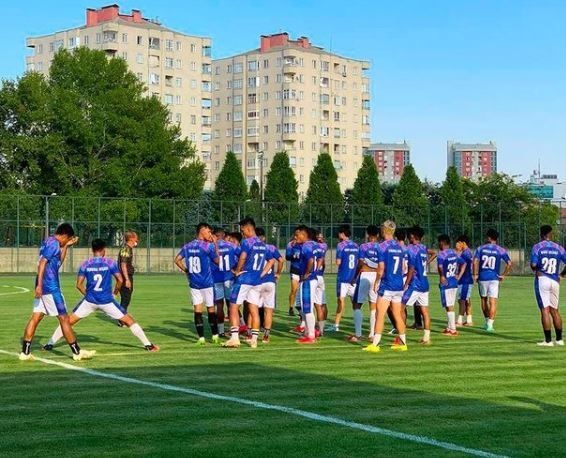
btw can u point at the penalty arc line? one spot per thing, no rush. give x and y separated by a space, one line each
21 289
273 407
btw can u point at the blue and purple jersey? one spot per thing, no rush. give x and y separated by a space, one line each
369 254
293 255
547 256
449 264
320 253
490 256
308 253
418 260
199 256
348 254
468 258
98 272
271 253
51 252
392 255
256 252
227 261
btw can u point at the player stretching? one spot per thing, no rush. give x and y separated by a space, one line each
292 254
487 270
97 272
320 293
48 297
389 287
195 259
223 276
417 285
364 282
308 284
466 281
546 258
451 267
347 261
247 284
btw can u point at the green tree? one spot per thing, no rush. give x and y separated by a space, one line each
230 191
410 205
255 193
455 207
366 198
90 127
281 196
324 201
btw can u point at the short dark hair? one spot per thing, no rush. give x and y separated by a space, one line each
65 229
247 221
202 225
372 230
236 235
345 229
218 230
444 238
417 232
98 245
465 239
302 228
400 234
492 234
545 230
260 231
312 233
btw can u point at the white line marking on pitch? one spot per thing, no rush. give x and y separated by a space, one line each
273 407
21 290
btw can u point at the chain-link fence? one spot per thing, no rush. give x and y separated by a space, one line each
164 225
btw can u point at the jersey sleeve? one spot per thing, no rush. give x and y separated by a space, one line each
181 253
114 269
276 255
563 255
461 260
50 251
534 255
477 254
339 251
411 258
505 255
212 252
82 271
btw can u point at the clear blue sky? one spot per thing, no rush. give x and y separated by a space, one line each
469 71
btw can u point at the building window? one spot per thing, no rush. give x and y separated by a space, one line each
124 38
98 38
139 40
252 65
139 58
238 67
178 82
168 62
178 46
193 47
237 100
169 45
85 41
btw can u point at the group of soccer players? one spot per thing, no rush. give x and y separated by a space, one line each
238 272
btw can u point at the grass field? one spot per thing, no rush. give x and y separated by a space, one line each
499 393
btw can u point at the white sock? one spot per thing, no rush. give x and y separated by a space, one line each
426 335
57 334
221 329
469 319
321 325
451 320
490 323
403 338
358 319
376 339
460 319
309 325
242 322
138 332
372 315
303 323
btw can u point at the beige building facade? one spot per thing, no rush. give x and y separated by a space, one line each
174 67
291 96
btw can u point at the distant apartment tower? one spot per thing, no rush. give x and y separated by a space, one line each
289 95
175 67
473 161
390 160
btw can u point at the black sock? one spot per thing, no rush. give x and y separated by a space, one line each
75 348
558 334
261 317
213 322
266 332
26 347
547 336
199 324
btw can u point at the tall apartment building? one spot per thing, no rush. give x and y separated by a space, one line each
289 95
390 160
174 66
473 161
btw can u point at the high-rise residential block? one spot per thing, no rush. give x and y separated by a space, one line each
390 160
473 161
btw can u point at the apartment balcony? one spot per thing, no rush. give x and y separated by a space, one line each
289 136
30 42
110 46
110 27
206 121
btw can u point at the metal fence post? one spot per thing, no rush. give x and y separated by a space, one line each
18 234
98 219
148 254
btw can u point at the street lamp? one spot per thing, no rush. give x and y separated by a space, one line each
47 214
260 155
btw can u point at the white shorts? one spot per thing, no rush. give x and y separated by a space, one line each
345 289
204 296
392 296
222 290
320 291
547 292
489 288
112 309
448 297
267 295
50 304
365 291
295 277
417 298
464 292
245 293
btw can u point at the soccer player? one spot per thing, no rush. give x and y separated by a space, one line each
195 260
451 267
268 285
364 282
389 287
546 258
487 271
293 254
126 264
222 275
98 294
308 282
466 281
247 282
417 285
48 297
347 253
320 292
400 235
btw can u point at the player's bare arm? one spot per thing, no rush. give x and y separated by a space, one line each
280 266
379 275
476 267
506 271
443 280
81 285
309 268
72 241
461 272
40 273
241 261
410 275
180 264
118 284
268 266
